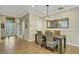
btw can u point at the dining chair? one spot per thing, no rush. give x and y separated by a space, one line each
57 32
49 40
39 38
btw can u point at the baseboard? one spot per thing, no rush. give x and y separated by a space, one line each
73 44
19 37
30 40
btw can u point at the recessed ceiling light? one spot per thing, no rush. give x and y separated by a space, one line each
33 6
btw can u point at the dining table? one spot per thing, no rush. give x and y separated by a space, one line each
61 42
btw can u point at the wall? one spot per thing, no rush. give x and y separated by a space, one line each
24 32
0 30
35 24
3 20
72 33
17 27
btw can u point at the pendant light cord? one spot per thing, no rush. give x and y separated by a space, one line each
47 9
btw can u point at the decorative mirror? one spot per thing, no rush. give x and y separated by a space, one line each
59 23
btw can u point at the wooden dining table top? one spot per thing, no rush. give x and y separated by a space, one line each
58 36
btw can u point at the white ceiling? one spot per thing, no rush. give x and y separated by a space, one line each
20 10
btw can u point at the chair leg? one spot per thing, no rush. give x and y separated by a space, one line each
52 50
41 45
46 47
37 43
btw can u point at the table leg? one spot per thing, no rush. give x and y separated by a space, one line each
65 42
61 46
35 38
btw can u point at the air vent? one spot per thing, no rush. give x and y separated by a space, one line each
60 8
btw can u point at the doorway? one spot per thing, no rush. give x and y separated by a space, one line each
10 28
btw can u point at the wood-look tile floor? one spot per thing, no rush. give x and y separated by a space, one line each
13 45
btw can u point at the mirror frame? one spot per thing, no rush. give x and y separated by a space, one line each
59 20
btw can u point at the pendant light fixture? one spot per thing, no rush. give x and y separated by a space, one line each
47 16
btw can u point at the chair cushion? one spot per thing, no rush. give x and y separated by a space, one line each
51 44
40 41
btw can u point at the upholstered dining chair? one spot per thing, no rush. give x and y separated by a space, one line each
57 32
49 40
39 38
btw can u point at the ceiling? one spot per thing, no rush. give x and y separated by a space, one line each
20 10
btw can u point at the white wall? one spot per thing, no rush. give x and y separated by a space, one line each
17 27
0 30
24 32
35 24
3 20
72 33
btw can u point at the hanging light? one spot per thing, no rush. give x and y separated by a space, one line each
47 16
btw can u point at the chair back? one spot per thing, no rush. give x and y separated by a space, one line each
39 33
49 36
57 32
